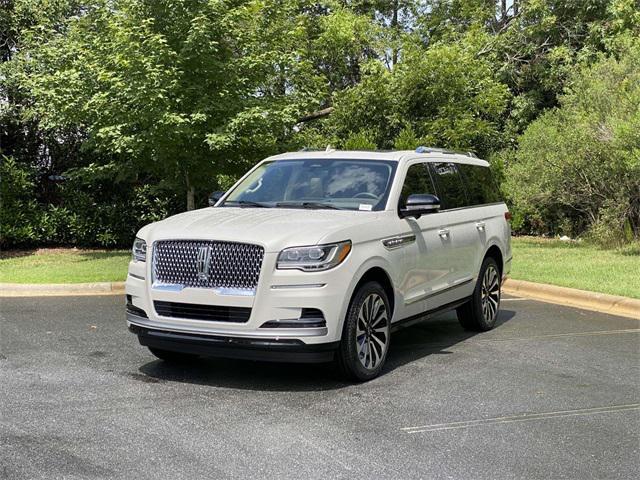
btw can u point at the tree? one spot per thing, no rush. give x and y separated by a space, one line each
20 137
446 96
183 89
450 94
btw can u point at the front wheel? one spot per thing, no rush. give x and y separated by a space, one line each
481 311
366 334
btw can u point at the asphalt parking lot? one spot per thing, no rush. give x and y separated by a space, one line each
552 392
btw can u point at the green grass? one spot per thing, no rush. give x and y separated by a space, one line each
577 265
568 264
64 266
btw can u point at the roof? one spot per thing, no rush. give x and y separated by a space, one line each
394 155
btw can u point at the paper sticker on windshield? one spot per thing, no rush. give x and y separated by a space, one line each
365 206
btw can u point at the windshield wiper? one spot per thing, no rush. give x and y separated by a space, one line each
310 205
245 203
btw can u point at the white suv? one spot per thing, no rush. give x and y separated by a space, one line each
315 256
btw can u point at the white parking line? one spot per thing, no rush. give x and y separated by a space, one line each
525 417
560 335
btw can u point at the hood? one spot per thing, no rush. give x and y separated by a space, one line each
273 228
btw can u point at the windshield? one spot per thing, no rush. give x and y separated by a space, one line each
335 184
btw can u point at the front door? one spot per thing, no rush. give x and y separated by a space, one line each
426 260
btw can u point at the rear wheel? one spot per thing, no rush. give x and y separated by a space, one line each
366 333
172 357
481 311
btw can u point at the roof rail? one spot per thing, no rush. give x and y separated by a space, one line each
423 149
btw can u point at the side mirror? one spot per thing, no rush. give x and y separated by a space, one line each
419 204
214 197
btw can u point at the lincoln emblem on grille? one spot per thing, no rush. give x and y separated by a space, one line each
204 262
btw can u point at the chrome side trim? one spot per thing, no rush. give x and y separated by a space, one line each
398 241
133 275
265 333
301 285
426 295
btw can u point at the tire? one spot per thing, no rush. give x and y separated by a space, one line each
172 357
366 334
481 311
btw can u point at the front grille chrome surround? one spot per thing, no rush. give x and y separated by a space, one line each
227 267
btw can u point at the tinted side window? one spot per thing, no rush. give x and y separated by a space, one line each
417 180
481 186
450 186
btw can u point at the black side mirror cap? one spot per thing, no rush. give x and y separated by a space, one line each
214 197
420 204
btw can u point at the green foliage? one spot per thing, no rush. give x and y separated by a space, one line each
19 213
342 45
447 95
362 140
137 103
366 106
579 165
450 95
92 209
171 86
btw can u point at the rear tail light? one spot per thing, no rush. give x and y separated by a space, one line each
507 216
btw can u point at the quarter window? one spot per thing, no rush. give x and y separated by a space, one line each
450 186
417 181
481 186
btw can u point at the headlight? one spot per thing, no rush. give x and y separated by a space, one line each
139 250
314 258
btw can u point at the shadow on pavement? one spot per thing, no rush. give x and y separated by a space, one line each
431 337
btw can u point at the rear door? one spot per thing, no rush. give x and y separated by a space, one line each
484 197
457 232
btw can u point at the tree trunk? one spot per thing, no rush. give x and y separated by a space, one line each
191 199
394 26
191 194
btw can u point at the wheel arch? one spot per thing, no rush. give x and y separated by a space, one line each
374 270
380 275
495 252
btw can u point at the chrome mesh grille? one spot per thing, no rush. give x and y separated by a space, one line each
230 265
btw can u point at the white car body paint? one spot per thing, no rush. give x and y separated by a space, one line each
433 271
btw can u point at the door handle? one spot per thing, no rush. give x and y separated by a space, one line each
444 233
480 225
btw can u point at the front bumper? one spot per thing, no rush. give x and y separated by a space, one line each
276 310
273 349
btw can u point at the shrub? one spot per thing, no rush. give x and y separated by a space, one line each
577 168
95 207
19 212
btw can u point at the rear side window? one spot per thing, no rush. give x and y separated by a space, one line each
481 187
450 187
418 181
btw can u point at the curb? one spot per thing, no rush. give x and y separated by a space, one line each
60 289
599 302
